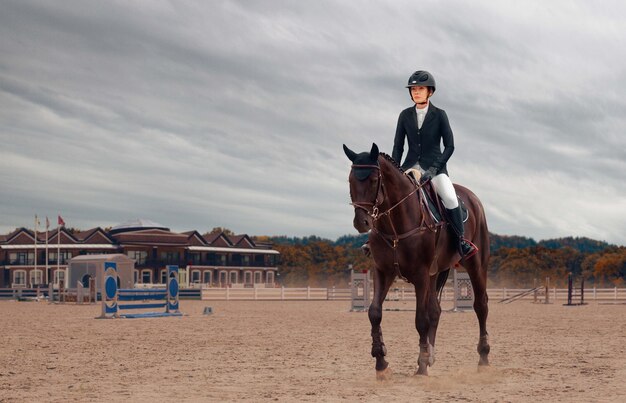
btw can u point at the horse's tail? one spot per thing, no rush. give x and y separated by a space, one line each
442 277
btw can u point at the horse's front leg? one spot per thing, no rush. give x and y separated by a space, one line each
422 320
382 282
434 313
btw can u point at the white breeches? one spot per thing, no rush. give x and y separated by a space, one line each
445 190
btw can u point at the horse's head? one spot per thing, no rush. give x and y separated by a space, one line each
365 183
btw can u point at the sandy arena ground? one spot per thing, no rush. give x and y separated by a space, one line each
307 351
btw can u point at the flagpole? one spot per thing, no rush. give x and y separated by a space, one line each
58 248
35 244
45 276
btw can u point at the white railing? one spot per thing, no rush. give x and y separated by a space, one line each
398 294
275 294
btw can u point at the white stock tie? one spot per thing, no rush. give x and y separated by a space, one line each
420 119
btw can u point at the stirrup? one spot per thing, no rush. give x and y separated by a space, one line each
467 249
366 249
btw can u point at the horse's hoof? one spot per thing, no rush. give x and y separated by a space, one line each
422 371
384 375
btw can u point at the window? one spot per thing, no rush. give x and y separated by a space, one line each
245 260
22 258
233 277
195 276
208 276
270 277
194 258
36 277
164 276
65 257
146 276
223 275
19 278
136 276
140 256
259 261
170 257
59 275
258 277
247 278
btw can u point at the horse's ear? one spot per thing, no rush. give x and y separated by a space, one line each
351 154
374 152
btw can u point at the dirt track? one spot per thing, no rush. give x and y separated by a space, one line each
307 351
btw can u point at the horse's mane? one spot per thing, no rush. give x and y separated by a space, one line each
392 161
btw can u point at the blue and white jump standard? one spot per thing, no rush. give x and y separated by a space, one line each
138 298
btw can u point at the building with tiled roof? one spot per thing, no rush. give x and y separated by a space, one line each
212 259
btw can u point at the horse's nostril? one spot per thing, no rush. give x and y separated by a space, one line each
365 223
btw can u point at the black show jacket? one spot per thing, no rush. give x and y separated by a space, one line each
424 143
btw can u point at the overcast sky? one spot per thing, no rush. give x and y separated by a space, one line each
233 113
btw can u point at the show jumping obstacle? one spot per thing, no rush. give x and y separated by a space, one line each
138 298
572 292
360 291
463 291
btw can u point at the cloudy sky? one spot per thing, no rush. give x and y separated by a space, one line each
233 113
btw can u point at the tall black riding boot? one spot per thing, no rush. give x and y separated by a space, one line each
466 248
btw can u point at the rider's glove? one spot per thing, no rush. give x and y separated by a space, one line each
428 174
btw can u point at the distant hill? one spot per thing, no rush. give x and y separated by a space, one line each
353 241
294 240
585 245
509 241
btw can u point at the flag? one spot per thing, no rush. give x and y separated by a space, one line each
47 223
37 222
61 222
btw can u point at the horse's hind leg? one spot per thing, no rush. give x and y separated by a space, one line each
477 270
422 320
382 282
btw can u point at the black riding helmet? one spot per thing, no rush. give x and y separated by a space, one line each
421 78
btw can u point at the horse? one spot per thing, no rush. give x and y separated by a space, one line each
406 242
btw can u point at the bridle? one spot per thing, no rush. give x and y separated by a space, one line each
392 240
374 213
376 203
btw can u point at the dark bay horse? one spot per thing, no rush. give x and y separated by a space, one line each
405 242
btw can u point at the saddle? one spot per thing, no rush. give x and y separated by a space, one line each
435 207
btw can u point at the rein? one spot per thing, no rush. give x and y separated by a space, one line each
393 240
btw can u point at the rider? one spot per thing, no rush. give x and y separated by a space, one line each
425 126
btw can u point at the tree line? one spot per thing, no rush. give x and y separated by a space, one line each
515 261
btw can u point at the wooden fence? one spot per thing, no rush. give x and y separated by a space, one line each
308 293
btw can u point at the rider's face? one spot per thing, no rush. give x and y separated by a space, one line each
420 95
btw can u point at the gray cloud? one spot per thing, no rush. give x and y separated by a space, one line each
233 114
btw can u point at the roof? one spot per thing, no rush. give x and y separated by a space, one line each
137 224
151 236
234 250
135 233
109 257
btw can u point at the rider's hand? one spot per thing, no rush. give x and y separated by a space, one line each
428 174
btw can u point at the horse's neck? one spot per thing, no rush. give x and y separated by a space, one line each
397 187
